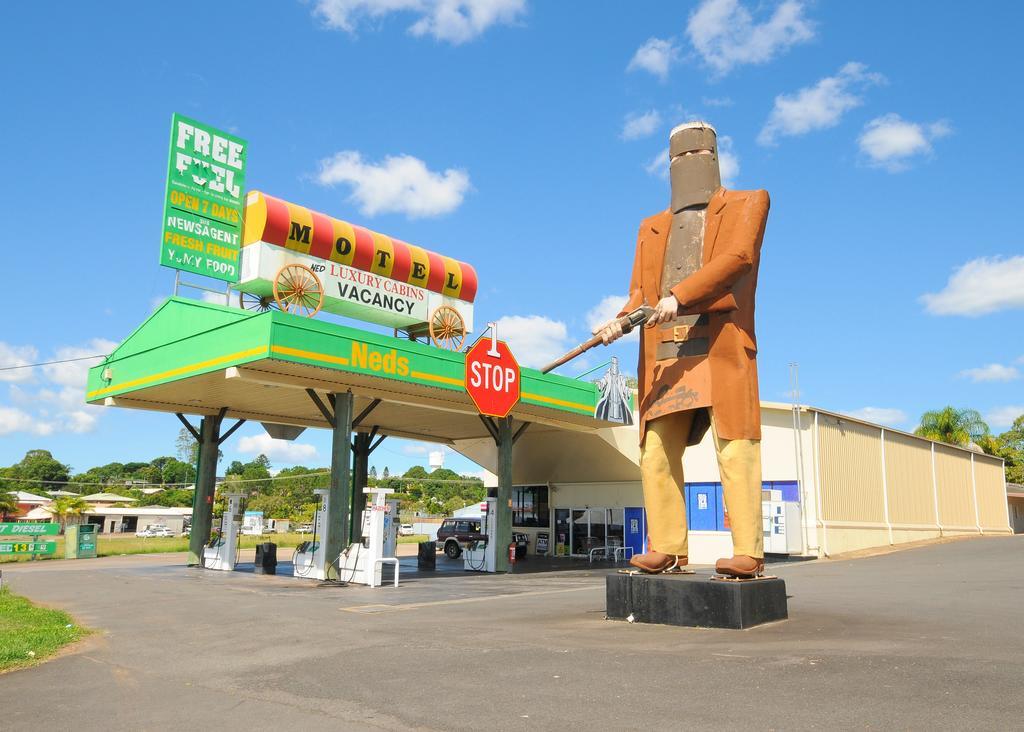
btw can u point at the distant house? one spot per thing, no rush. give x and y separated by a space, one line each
102 500
130 520
26 502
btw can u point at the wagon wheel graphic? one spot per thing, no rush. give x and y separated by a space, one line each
256 303
447 328
297 290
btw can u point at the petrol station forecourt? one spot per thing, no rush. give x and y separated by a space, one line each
803 565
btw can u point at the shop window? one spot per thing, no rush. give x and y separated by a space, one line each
530 506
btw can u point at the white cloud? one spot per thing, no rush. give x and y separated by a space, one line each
419 449
14 420
820 106
453 21
641 125
16 356
656 55
658 165
981 286
717 101
74 374
880 415
535 340
725 35
281 450
728 163
991 372
607 309
80 421
890 141
399 184
1003 417
56 402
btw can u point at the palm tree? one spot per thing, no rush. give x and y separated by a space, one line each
67 506
953 426
8 505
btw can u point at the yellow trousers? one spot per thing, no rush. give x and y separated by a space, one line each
661 467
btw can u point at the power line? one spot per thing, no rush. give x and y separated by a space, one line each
137 485
50 363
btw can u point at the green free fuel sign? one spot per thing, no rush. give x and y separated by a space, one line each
26 529
204 200
28 547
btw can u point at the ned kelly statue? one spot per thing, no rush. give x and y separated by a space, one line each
696 265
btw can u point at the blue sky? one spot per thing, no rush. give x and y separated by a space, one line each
528 139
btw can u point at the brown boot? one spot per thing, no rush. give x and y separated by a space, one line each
740 566
656 562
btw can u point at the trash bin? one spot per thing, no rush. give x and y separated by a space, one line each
266 558
80 541
427 557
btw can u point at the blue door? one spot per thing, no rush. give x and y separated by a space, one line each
702 506
635 530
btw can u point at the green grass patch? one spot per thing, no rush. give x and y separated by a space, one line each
28 634
414 539
112 545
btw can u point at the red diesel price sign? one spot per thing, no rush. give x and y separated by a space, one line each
492 377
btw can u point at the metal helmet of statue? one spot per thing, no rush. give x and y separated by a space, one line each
693 165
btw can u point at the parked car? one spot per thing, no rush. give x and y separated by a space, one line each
405 530
455 533
304 528
153 531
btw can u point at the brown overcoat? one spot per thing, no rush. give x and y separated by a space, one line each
724 289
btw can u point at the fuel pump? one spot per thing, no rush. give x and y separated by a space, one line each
222 551
479 555
308 559
363 559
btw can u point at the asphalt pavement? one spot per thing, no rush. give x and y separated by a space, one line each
924 638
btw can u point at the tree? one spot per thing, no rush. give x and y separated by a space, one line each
373 472
186 447
953 426
67 506
386 473
416 471
175 471
1010 447
8 504
39 471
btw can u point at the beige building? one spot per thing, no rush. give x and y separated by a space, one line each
1015 498
129 520
832 484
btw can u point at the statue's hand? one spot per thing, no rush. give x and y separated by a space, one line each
664 311
609 332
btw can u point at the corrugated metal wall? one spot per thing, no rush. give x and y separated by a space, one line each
988 476
956 497
851 475
908 475
965 489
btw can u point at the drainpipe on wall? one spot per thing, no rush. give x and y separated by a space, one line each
935 492
818 509
885 491
974 490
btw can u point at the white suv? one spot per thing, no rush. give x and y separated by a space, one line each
153 531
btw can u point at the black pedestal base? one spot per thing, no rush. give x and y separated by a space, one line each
695 600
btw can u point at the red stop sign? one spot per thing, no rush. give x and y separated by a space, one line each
492 377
